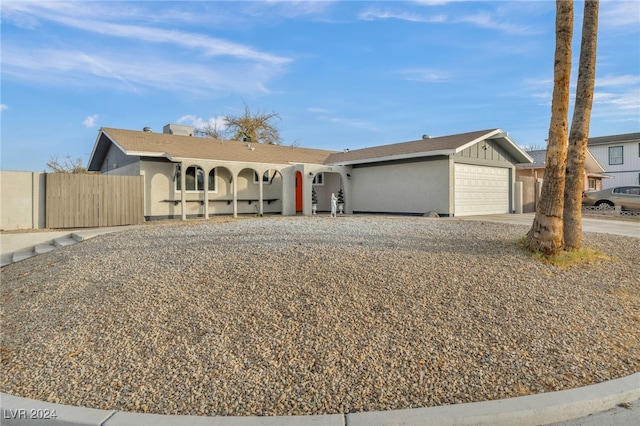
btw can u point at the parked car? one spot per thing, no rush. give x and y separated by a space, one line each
627 197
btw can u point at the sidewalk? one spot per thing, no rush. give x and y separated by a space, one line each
626 228
16 246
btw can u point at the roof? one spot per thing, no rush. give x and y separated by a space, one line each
427 147
177 147
604 140
539 156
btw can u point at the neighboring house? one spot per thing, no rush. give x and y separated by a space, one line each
620 157
458 175
594 173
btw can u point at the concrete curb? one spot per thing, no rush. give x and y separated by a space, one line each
540 409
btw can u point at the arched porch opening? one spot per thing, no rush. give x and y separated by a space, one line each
259 191
190 182
325 183
220 192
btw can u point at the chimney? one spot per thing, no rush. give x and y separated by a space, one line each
178 129
426 137
147 130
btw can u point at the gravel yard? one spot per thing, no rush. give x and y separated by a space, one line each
313 315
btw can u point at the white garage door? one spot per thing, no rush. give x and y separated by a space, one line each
481 190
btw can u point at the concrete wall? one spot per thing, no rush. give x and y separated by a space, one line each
22 200
402 187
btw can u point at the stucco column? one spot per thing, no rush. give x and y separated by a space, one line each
206 194
346 187
234 187
183 185
260 201
288 188
307 187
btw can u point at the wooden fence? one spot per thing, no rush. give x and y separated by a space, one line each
85 201
530 188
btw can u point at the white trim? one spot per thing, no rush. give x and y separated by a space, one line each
395 157
315 177
480 139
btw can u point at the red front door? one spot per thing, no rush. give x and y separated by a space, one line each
298 192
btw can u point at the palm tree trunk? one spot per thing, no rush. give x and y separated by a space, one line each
546 233
579 135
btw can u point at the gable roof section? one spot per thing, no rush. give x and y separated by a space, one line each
176 148
444 145
539 159
539 156
605 140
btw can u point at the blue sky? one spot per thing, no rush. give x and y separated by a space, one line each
340 74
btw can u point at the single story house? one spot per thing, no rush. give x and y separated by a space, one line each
620 157
186 176
594 173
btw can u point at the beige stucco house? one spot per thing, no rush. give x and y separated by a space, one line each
187 176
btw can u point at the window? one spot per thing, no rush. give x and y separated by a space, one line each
592 184
318 179
629 190
615 155
212 180
194 178
267 177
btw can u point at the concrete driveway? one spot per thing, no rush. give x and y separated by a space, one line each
628 228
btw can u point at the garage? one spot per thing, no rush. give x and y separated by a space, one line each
481 190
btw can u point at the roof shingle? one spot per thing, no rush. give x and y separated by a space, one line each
175 146
442 143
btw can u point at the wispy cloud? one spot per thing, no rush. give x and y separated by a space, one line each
295 8
618 80
617 96
4 107
217 122
213 63
331 117
209 46
425 75
375 14
488 20
620 14
493 22
71 67
90 121
431 2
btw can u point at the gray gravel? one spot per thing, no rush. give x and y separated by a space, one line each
313 315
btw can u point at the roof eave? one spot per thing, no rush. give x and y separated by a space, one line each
394 157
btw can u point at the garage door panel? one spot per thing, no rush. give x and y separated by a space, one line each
481 190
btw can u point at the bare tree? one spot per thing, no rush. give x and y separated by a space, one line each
250 127
212 131
546 233
256 127
67 165
533 147
579 135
